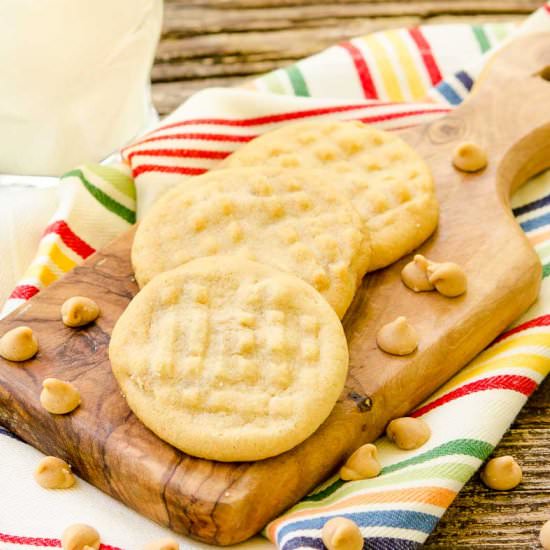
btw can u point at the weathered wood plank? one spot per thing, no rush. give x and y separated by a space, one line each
390 8
169 95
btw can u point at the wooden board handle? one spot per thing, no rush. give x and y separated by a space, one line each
511 95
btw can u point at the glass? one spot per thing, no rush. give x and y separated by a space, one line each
74 89
75 80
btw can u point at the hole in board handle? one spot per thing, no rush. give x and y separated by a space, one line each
544 73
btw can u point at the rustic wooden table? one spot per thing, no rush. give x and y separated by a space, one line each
224 42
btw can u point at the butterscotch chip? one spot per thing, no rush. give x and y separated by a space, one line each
502 473
544 536
408 433
18 344
342 534
162 544
79 311
448 278
245 374
58 396
398 337
80 537
287 219
54 473
415 274
385 179
469 157
362 464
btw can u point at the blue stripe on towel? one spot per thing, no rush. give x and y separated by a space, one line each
403 519
465 79
535 223
530 206
371 543
448 93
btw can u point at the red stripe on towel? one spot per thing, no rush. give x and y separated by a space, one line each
521 384
69 238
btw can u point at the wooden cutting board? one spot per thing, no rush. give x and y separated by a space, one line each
509 115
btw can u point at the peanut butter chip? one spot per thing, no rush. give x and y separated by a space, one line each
54 473
162 544
18 344
342 534
545 536
362 464
408 433
469 157
502 473
78 311
415 276
80 537
397 337
448 278
58 396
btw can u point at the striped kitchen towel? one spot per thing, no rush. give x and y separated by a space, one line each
391 79
96 203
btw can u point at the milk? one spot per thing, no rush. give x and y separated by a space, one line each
74 80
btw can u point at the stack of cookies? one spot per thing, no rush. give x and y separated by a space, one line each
234 350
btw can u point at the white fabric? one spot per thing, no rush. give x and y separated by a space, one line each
49 511
24 213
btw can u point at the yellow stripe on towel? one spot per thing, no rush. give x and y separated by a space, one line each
384 66
417 87
43 273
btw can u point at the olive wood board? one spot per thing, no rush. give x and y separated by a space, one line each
224 503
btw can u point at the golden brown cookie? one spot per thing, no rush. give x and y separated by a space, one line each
296 221
229 359
386 180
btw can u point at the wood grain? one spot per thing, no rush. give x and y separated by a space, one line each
225 503
225 42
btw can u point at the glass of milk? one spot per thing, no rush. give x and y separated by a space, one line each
74 88
75 80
